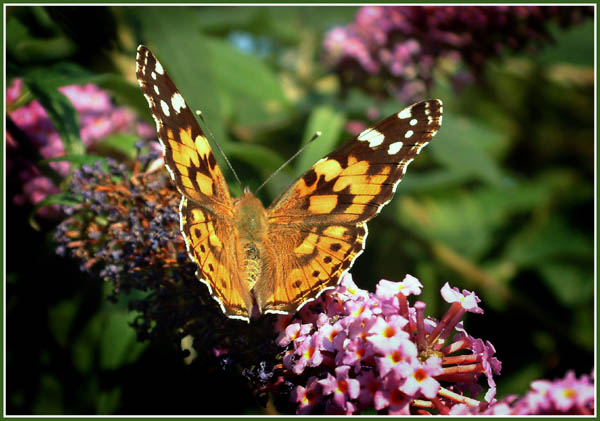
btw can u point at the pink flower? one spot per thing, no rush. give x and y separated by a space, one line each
397 358
87 97
567 393
491 365
293 332
370 388
342 386
309 352
388 289
468 300
419 377
307 397
14 90
354 352
392 398
333 337
387 335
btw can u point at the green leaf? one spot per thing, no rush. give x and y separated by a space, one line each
331 124
62 114
225 18
458 221
570 284
108 401
55 199
16 32
185 56
87 159
229 64
260 157
118 344
464 146
50 399
573 45
60 319
123 143
547 241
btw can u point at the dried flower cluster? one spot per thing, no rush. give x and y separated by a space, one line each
125 230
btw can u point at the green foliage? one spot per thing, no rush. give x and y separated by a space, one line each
501 202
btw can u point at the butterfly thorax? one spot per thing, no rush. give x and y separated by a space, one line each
251 223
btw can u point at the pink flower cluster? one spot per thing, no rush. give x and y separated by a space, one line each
402 45
361 350
98 118
567 396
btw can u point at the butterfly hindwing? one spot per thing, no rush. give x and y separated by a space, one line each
317 256
210 243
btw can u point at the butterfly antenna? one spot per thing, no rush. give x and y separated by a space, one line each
199 114
317 134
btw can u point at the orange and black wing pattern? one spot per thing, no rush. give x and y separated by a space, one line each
325 211
206 207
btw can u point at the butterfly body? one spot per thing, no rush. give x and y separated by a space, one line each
258 260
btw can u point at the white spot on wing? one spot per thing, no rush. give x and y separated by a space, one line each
405 113
408 134
159 68
372 136
177 102
156 90
413 122
165 107
395 148
153 75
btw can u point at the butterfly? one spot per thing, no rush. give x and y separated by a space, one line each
257 260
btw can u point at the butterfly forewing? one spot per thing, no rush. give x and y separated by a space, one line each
353 182
329 205
187 153
206 203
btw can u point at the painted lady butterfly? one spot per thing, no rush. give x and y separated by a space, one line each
275 260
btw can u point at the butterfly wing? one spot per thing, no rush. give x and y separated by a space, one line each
206 207
322 216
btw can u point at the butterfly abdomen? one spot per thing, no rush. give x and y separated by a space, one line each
251 223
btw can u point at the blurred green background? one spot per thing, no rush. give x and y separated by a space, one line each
501 202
